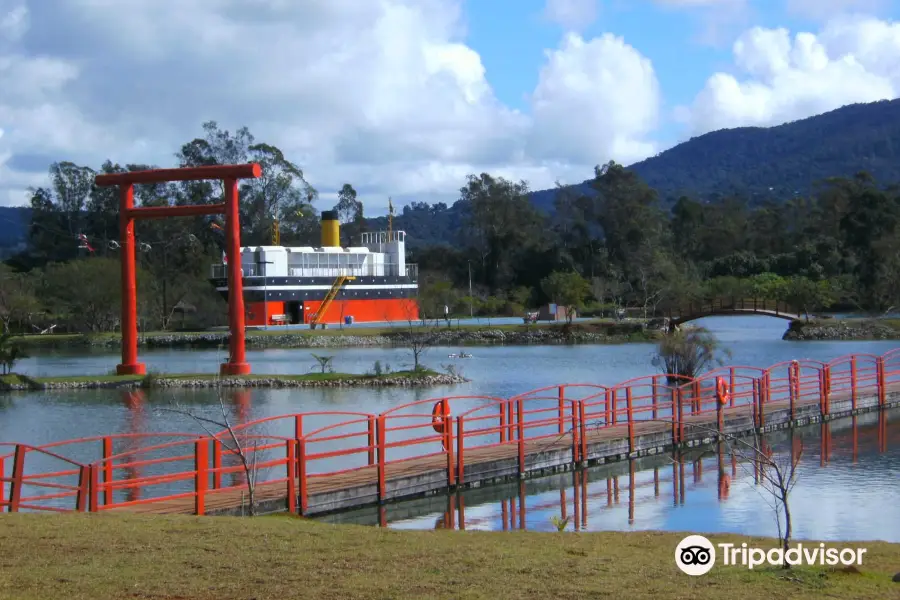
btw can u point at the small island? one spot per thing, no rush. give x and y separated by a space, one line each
825 329
417 378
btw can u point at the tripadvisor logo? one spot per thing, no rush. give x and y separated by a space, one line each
696 555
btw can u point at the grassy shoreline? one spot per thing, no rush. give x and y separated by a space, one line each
17 382
117 556
861 329
594 331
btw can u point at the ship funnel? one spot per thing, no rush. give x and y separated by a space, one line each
331 229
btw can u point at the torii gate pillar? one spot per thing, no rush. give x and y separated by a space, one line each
229 175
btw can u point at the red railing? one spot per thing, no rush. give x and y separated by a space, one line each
573 495
300 455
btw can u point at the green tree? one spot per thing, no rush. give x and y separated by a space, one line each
18 301
503 223
279 192
10 352
568 289
687 352
434 294
809 296
86 294
492 305
350 213
58 213
767 286
727 287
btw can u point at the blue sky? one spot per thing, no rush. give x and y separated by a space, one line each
685 45
512 35
405 98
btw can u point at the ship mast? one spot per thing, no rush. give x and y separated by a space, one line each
390 218
276 233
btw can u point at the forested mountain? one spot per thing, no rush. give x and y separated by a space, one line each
753 163
13 225
756 164
613 241
780 162
774 163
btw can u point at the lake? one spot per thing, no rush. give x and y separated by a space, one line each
832 492
838 491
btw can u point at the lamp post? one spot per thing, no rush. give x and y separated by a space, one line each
471 299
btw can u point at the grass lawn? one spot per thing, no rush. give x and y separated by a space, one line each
848 322
304 377
12 379
112 556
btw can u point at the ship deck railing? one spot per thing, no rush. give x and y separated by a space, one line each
220 271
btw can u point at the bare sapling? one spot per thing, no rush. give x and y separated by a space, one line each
229 438
419 339
776 472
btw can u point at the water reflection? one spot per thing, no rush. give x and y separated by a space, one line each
136 461
712 490
241 409
134 402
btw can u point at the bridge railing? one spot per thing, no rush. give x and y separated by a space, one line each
626 492
727 304
300 455
65 488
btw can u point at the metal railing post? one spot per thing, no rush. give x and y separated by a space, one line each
291 464
16 483
201 477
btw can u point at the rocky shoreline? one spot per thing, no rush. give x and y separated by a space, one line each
619 333
436 379
841 330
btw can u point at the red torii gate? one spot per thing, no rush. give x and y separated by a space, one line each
229 174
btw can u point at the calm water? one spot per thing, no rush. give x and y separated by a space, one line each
834 499
43 417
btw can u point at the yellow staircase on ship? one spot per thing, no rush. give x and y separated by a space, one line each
329 298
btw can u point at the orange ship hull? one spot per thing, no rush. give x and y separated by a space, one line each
363 311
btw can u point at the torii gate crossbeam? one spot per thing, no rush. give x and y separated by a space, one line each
229 175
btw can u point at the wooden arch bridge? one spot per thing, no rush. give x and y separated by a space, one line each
731 306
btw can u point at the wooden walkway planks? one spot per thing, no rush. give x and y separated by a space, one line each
231 499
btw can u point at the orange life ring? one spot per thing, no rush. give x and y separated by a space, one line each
722 391
437 417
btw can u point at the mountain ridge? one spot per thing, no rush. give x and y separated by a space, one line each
754 163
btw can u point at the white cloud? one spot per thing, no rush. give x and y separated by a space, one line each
383 94
853 59
594 98
13 22
573 15
827 9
